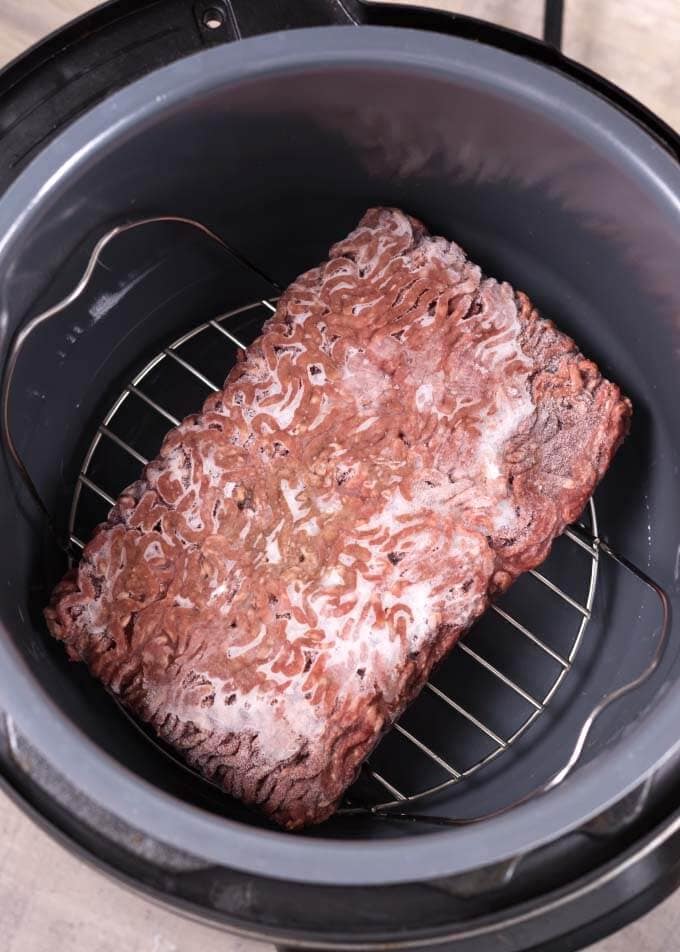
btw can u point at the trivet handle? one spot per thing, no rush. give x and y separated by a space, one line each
23 333
662 640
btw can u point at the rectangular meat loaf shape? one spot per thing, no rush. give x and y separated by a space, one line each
404 439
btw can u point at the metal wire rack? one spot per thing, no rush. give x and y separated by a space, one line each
128 434
456 739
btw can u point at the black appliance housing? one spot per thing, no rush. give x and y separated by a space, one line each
551 178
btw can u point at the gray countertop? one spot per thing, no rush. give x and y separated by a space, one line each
51 902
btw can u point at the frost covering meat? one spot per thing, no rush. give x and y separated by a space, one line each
403 440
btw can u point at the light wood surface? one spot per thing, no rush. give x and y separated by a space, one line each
51 902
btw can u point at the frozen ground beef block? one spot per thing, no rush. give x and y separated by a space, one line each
404 439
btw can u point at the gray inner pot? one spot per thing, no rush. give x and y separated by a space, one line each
279 144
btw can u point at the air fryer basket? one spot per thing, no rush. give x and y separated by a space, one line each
279 148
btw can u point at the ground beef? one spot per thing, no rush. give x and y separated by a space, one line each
404 439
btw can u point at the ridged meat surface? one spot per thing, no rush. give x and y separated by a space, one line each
404 439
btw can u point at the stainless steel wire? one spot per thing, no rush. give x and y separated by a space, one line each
581 613
584 539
